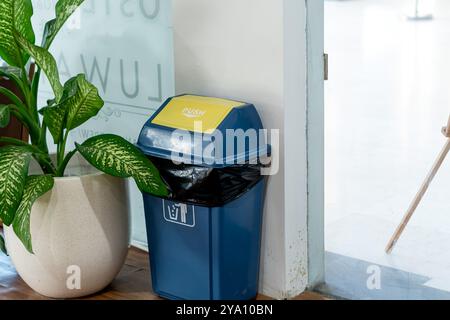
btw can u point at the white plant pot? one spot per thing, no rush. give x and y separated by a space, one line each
80 236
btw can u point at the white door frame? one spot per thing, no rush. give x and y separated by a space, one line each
315 141
304 145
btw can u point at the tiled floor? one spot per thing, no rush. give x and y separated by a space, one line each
387 98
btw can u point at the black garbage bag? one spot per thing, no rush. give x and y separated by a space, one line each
205 186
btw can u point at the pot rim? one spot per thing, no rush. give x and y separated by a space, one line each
77 161
89 175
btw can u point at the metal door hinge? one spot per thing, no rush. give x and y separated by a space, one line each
325 66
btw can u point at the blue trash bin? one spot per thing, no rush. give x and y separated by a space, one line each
205 248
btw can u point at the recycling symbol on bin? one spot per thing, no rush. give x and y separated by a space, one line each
179 213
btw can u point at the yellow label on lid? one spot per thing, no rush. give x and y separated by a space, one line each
195 113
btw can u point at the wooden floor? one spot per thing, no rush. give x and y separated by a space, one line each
131 284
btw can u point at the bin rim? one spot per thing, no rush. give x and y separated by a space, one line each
242 117
243 158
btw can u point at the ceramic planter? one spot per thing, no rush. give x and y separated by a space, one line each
80 236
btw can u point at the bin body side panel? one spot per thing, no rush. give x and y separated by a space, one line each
236 239
179 245
215 255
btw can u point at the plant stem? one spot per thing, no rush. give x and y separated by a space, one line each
27 113
43 138
16 142
22 109
14 78
45 163
13 98
35 83
34 93
62 149
25 118
25 76
63 166
27 93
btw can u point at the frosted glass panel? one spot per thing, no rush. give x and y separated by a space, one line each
125 48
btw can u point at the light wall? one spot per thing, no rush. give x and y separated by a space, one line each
255 50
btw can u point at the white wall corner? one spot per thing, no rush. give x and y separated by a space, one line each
295 97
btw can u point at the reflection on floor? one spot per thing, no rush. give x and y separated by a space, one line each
394 284
387 98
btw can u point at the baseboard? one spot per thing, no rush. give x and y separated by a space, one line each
139 245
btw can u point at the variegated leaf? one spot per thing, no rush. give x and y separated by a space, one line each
2 245
45 61
4 115
54 118
14 162
117 157
64 9
35 187
15 15
80 100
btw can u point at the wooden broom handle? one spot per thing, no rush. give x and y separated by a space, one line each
423 189
446 130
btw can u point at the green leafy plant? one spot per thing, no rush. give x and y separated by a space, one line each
75 102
